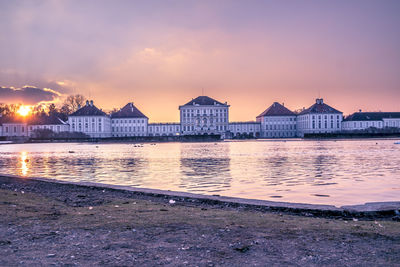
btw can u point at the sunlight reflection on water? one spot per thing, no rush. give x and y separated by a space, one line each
323 172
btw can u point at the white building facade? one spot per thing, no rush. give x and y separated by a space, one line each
244 129
277 121
91 121
129 121
164 129
14 128
364 120
51 123
204 115
319 118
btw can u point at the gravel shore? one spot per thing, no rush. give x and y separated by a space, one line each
47 223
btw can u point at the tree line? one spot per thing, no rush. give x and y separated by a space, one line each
69 106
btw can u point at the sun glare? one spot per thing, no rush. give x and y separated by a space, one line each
24 110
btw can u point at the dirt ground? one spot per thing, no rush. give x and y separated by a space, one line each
65 225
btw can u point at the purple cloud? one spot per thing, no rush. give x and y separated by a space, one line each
27 95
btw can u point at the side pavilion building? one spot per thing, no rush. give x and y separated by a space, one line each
319 118
91 121
129 121
277 121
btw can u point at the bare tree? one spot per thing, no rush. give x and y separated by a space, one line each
72 103
9 109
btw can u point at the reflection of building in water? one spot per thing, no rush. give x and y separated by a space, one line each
205 170
276 169
132 171
323 167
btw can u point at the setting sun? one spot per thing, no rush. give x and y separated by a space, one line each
24 110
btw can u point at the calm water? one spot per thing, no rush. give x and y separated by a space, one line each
325 172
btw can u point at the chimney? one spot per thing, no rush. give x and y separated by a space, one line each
91 102
283 104
360 110
79 106
321 100
87 102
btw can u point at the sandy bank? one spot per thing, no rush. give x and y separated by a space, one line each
49 223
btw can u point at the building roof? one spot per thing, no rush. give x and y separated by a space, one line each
372 116
277 109
204 101
128 111
12 119
45 120
244 122
320 107
89 110
32 120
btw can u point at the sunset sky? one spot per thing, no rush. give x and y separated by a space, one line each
161 54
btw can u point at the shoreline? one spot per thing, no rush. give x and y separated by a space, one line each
367 210
128 141
64 224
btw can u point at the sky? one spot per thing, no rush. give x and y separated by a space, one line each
161 54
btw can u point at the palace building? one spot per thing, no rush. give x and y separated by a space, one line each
277 121
204 115
91 121
364 120
319 118
129 121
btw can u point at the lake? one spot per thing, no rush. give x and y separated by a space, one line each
320 172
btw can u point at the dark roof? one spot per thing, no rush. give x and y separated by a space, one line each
89 110
372 116
203 101
45 120
277 109
128 111
32 120
12 119
320 107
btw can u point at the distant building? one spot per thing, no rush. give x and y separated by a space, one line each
364 120
52 123
319 118
91 121
277 121
129 121
164 129
204 115
244 129
13 126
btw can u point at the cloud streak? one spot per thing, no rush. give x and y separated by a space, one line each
28 95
